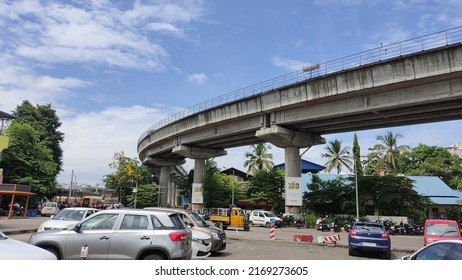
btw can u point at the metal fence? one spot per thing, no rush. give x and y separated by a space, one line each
426 42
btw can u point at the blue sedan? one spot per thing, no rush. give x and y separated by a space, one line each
369 237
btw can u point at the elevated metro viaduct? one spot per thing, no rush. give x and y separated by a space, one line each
420 87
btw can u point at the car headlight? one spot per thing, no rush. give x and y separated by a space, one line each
215 235
197 240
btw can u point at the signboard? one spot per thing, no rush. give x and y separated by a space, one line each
197 196
4 140
293 191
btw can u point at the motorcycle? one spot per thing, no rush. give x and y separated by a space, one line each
323 226
299 223
336 226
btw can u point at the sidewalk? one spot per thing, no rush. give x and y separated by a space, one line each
21 225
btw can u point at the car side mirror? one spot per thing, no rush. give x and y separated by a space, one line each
77 227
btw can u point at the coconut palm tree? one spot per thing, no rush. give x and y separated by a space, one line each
388 151
259 159
338 156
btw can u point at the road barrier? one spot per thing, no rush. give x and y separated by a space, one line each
329 239
303 238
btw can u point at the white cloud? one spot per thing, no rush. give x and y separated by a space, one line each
91 139
198 78
52 32
289 64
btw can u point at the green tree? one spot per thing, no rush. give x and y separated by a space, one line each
127 176
390 195
338 157
45 121
426 160
388 152
258 159
217 190
268 186
147 196
357 156
29 161
328 197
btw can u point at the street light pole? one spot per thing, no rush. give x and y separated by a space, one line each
356 189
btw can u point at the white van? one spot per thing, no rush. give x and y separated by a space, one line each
263 218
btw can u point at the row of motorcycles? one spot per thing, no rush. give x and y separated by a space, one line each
402 228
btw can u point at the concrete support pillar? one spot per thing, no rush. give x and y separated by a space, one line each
293 180
199 155
291 141
163 183
197 199
169 193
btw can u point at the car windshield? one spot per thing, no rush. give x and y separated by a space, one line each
269 214
50 205
449 230
199 221
69 215
368 227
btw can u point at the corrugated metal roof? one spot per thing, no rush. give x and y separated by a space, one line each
429 186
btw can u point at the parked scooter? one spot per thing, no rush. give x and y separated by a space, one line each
323 226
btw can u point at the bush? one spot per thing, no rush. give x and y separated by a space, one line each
453 213
310 220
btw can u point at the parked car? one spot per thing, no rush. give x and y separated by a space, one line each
196 222
121 234
435 230
49 209
11 249
262 218
369 237
67 217
201 244
438 250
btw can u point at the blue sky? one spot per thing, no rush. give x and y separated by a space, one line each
111 69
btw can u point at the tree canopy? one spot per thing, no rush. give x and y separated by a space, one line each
28 160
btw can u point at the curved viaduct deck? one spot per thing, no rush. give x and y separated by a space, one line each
417 88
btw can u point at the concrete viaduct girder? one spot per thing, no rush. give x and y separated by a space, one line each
417 88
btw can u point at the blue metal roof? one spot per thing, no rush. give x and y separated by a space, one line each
306 166
429 186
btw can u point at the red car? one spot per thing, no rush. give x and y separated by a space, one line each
435 230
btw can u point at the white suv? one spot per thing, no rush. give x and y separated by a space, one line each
263 218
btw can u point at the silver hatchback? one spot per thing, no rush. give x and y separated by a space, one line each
123 234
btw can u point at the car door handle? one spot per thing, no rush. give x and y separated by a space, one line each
145 238
104 238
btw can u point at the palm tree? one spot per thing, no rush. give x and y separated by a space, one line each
388 151
338 157
259 159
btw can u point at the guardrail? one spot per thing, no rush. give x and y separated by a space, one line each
426 42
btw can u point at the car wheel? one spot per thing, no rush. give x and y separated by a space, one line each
387 255
351 252
154 257
267 225
54 251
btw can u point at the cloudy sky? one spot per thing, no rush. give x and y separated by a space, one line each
111 69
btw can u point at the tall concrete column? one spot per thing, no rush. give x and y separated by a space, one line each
291 141
163 184
293 175
197 199
199 155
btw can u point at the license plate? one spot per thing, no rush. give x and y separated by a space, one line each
369 244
